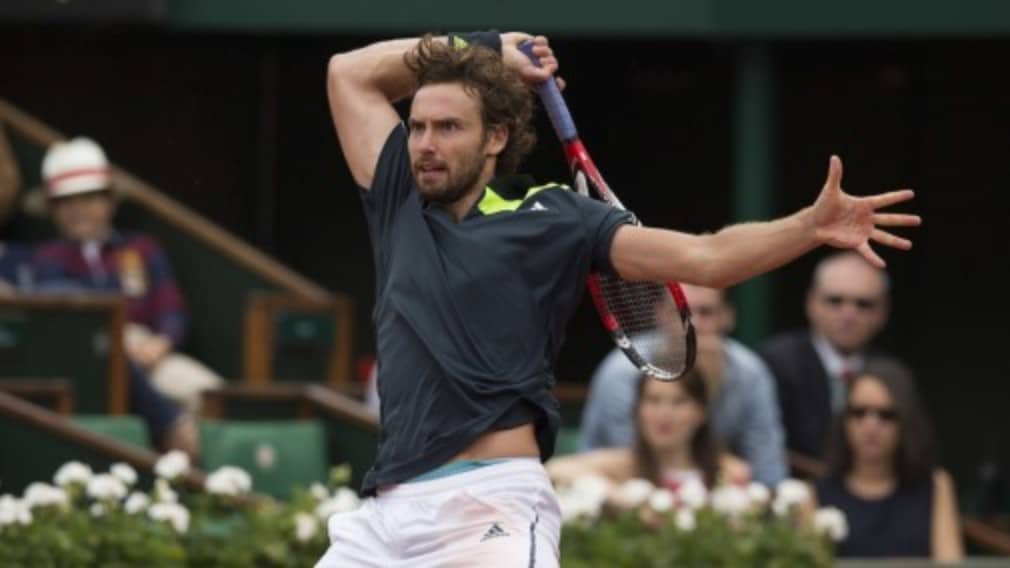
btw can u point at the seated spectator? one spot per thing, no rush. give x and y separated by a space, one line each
847 306
92 255
743 409
882 473
673 441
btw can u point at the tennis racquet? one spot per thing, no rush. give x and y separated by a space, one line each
649 321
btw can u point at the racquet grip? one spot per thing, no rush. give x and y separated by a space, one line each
554 103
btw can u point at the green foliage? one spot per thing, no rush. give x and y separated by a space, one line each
717 541
224 530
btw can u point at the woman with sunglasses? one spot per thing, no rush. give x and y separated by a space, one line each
883 476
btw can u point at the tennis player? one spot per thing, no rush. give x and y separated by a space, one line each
477 273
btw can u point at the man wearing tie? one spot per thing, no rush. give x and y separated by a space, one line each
847 306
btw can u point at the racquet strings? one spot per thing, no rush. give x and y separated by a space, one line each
650 320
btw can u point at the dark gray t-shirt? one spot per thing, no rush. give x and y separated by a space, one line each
470 316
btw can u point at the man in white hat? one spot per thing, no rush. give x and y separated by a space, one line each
93 255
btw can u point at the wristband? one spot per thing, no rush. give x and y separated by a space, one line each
489 39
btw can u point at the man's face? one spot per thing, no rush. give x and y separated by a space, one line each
710 313
84 217
449 147
848 304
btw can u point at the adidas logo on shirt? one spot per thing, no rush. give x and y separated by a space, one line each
494 531
537 206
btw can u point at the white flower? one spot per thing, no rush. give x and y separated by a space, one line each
584 497
172 465
343 501
830 521
106 486
44 495
730 500
175 514
72 472
13 510
577 506
97 509
228 480
136 503
758 493
306 527
593 487
661 500
319 491
693 494
632 493
163 492
124 473
684 519
789 494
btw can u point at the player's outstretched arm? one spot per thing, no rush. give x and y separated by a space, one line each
362 86
742 251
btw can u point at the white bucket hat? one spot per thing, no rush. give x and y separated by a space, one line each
73 167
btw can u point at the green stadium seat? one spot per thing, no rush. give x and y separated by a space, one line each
126 428
278 454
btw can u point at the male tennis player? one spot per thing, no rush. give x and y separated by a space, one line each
477 272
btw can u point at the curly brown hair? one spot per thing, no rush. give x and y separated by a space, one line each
503 97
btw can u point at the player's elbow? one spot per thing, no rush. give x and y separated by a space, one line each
340 69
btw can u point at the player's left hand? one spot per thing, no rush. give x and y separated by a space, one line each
845 221
517 60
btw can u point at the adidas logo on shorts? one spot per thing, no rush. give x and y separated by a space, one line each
494 531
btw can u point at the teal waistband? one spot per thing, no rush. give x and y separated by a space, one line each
452 468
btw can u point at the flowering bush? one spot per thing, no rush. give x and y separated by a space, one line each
102 519
639 525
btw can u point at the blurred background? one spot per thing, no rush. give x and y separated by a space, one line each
699 113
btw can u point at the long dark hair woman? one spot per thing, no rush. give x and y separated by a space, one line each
883 474
674 442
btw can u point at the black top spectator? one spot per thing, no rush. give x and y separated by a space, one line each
883 475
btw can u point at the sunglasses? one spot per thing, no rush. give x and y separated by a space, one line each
838 300
882 414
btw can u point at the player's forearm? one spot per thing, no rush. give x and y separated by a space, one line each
717 260
378 68
739 252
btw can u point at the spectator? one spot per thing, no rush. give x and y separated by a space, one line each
743 410
673 441
882 473
847 306
92 255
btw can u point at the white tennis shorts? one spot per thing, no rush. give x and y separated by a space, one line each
500 515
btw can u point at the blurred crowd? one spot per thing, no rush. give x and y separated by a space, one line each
821 402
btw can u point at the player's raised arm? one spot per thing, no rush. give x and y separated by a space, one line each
742 251
362 86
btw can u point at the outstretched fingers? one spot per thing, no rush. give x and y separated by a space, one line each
896 220
890 198
834 173
870 255
891 240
